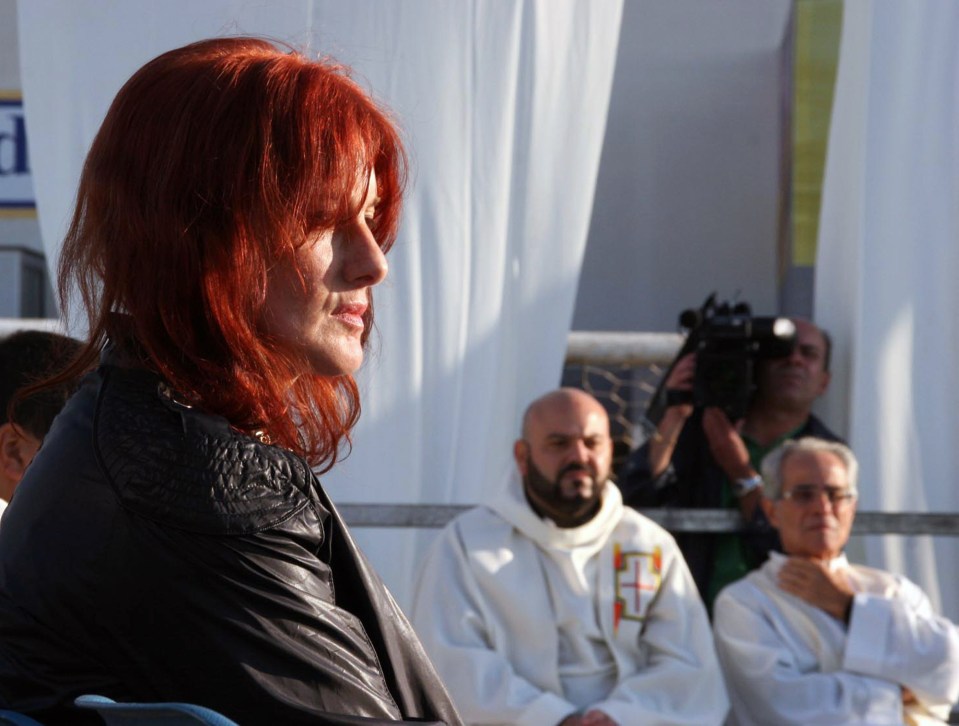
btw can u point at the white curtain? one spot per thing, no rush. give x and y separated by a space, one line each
887 269
504 106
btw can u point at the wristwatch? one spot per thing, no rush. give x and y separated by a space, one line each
742 487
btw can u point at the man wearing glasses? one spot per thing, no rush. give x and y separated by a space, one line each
811 639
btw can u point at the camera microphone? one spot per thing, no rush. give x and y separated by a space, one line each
690 319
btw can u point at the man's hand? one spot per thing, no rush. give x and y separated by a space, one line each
597 718
590 718
726 445
663 441
812 581
730 453
681 378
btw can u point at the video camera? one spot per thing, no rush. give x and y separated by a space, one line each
727 340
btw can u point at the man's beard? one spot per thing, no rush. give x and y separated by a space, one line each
546 495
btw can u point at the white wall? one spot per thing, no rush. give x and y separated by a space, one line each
687 196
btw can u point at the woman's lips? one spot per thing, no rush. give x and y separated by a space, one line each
351 314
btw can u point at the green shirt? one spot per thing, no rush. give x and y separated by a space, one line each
731 560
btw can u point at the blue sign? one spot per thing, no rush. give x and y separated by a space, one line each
16 184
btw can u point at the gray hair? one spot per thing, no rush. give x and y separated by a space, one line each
772 466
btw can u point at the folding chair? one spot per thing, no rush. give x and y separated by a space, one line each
12 718
150 714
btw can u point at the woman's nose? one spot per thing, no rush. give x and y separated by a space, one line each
366 264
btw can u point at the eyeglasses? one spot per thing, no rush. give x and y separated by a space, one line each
805 494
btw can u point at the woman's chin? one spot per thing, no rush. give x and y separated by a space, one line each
336 363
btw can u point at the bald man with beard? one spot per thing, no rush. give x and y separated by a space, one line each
555 604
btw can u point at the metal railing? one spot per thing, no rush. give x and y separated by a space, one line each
645 350
433 516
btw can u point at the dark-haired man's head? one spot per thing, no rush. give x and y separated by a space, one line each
794 382
27 357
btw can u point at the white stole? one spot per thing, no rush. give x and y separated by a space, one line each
823 634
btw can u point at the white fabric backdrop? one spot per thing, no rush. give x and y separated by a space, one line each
887 269
504 105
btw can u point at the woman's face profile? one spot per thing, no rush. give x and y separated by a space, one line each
323 318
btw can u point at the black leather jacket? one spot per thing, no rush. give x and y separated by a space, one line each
152 553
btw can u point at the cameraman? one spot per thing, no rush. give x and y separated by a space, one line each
699 459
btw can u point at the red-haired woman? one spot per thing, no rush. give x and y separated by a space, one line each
170 541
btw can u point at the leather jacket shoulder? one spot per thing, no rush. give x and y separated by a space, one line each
188 469
154 553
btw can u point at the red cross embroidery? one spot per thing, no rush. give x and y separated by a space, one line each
636 573
637 584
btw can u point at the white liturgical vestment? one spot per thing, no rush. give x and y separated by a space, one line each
528 623
788 662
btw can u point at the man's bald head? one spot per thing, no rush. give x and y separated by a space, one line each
564 455
562 398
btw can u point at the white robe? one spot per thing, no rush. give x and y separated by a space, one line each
788 662
528 623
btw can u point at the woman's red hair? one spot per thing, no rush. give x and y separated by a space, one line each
214 163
